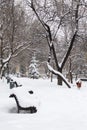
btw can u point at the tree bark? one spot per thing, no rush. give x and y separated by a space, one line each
59 79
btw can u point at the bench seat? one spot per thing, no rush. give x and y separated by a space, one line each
24 100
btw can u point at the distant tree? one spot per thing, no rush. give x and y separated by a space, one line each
12 33
33 68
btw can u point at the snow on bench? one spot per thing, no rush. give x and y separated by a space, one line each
25 100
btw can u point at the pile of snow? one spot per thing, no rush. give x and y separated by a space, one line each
25 98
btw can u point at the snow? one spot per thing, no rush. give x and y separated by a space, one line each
25 98
7 59
78 81
59 107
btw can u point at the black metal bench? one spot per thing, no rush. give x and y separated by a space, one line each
83 79
30 109
8 79
14 84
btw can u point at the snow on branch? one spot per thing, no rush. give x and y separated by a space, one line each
7 59
19 49
28 3
58 74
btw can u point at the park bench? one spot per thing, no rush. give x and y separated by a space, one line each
14 84
8 79
26 104
83 79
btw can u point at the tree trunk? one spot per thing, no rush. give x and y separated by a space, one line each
71 78
59 79
70 71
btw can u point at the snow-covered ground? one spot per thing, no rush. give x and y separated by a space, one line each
59 108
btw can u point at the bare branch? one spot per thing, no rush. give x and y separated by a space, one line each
19 49
60 23
69 50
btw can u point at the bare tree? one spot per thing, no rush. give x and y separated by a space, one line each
12 33
48 14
